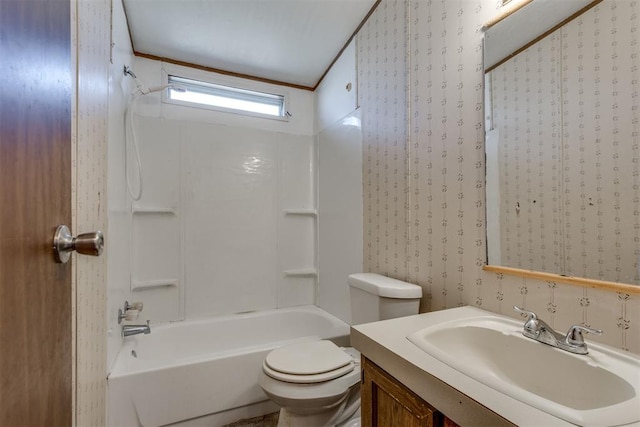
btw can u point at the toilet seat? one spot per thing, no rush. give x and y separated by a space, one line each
308 363
308 379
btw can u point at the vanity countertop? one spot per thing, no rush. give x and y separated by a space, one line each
461 398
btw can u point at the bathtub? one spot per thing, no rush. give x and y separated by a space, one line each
196 368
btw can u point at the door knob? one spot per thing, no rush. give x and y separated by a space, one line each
87 244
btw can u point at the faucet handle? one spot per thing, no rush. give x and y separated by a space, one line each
574 335
531 314
134 306
531 324
127 315
129 311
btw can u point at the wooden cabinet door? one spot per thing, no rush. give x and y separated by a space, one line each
446 422
35 196
387 403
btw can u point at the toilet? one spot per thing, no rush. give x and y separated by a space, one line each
317 383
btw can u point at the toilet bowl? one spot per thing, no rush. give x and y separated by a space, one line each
317 383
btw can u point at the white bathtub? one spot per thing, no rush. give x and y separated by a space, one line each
195 368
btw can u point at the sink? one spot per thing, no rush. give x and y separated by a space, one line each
600 388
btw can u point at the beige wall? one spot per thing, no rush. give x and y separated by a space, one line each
420 82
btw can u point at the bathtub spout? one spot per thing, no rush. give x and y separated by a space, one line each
128 330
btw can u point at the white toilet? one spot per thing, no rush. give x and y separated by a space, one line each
318 383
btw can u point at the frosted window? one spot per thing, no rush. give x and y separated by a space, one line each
225 97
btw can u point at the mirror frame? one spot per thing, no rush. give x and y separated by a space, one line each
532 274
559 278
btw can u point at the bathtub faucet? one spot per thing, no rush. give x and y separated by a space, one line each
128 330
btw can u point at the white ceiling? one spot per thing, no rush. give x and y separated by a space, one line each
291 41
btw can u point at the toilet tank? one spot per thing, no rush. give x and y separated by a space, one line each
375 297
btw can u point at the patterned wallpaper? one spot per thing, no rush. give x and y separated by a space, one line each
568 172
382 97
91 43
420 83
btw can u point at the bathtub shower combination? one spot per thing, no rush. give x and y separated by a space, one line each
224 368
195 368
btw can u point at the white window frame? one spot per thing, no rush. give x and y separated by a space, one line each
223 83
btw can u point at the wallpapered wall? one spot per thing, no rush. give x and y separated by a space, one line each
568 164
420 83
90 38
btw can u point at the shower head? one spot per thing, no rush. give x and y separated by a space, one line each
160 88
142 89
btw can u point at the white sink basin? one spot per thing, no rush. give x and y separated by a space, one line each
601 388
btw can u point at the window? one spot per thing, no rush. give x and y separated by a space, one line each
225 97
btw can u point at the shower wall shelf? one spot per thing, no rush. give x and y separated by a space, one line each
303 212
310 271
302 272
152 284
153 210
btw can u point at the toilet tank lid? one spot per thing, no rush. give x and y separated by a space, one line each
383 286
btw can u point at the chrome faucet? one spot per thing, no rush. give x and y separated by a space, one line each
128 330
538 330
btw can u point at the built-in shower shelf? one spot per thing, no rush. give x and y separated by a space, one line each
153 210
303 212
152 284
301 272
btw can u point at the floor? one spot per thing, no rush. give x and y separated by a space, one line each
269 420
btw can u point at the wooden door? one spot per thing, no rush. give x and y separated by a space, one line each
36 83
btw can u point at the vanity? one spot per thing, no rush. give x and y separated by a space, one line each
405 383
385 401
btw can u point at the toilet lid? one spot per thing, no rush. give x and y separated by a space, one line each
308 359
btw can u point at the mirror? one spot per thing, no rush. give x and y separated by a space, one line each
562 142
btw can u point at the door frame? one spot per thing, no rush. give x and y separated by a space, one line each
91 52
